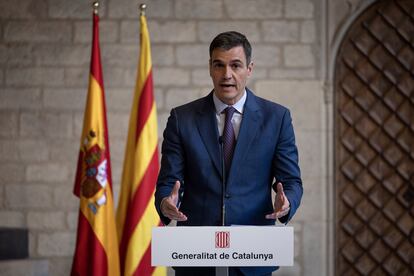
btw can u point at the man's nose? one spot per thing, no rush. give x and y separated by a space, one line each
227 72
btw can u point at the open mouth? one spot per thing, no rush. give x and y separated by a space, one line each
227 85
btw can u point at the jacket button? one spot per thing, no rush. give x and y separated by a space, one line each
227 196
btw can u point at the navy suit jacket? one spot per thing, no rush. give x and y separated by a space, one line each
265 152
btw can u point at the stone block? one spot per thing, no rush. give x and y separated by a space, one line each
293 74
162 55
54 125
171 76
266 56
58 55
310 153
108 30
314 192
60 266
8 124
47 172
201 77
308 31
293 94
118 124
45 220
119 77
255 9
77 125
118 150
33 150
77 77
299 9
75 9
1 196
64 150
12 219
65 99
28 267
172 31
72 220
119 99
56 244
258 74
12 98
192 55
34 76
199 9
128 9
11 173
120 55
16 55
28 196
207 30
299 56
159 98
314 253
37 31
130 32
23 9
280 31
9 150
177 96
63 196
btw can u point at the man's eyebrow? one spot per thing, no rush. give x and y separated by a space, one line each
231 61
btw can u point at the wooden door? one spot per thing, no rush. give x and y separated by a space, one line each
374 143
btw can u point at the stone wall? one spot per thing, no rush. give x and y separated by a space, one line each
44 69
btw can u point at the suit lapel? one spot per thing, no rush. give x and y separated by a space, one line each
207 127
248 131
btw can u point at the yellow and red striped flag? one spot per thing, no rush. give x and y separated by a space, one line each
96 250
136 214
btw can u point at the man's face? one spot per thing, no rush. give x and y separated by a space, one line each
229 72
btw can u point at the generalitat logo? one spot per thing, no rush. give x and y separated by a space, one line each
222 239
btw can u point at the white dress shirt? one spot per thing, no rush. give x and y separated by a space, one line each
237 116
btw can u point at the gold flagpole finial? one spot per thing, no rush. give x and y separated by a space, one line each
142 8
95 7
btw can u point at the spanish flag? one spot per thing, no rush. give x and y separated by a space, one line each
136 214
96 250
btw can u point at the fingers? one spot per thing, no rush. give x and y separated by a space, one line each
176 189
169 205
279 214
281 206
171 211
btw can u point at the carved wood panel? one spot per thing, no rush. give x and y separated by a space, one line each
374 143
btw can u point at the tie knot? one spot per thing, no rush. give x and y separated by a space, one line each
229 111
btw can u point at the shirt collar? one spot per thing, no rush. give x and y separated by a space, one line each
239 105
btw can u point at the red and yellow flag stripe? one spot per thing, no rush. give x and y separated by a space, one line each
96 250
136 214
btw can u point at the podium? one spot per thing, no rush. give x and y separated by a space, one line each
222 246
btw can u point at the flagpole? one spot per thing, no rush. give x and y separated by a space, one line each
142 8
95 6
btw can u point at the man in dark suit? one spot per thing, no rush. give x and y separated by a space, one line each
230 134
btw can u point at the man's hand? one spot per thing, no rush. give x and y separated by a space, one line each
169 205
282 205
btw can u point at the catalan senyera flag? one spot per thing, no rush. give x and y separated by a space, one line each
96 250
136 214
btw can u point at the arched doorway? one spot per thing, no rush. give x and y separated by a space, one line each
374 143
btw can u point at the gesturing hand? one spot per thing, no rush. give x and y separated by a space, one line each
169 205
282 205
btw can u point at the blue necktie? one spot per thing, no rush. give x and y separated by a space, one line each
229 138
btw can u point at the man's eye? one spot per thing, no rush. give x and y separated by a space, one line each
236 66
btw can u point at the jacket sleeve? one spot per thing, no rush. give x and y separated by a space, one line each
172 163
286 166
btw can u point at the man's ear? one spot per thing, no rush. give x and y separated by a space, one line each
250 69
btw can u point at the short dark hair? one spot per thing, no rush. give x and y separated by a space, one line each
228 40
